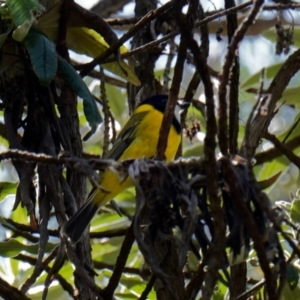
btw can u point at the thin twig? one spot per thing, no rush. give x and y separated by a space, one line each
109 233
254 289
64 283
232 25
283 149
148 288
37 271
176 32
143 22
120 264
261 121
9 292
144 273
250 225
238 36
291 130
220 12
273 153
172 101
217 251
168 66
106 113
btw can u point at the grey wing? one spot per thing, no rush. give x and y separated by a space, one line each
126 136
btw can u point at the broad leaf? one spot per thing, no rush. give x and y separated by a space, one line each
255 79
288 294
85 41
42 55
21 11
264 184
13 247
291 96
292 276
89 42
295 210
90 108
7 188
3 37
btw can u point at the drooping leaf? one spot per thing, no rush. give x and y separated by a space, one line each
3 37
89 42
22 11
7 188
21 32
292 276
85 41
264 184
90 108
55 292
13 247
288 294
42 55
295 210
291 96
255 78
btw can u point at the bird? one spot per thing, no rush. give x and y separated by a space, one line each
137 139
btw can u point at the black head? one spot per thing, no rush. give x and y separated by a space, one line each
160 102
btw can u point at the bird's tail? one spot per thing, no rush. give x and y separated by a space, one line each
75 226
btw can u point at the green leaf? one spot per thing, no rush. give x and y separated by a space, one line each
7 188
291 96
42 55
295 211
264 184
289 294
3 37
21 32
117 102
55 292
90 108
87 41
13 247
21 11
255 79
292 276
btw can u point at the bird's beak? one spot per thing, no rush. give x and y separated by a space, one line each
183 105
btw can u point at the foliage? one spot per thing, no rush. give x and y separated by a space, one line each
207 215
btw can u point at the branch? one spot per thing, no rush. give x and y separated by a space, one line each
120 264
130 270
9 292
106 8
172 100
273 153
217 251
37 271
248 220
84 166
176 32
106 112
283 149
143 22
237 38
109 233
232 25
31 260
259 124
